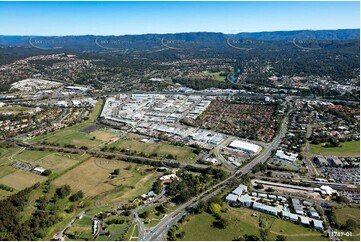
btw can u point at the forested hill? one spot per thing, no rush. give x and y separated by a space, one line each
206 38
340 34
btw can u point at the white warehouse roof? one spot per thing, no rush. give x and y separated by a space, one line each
241 145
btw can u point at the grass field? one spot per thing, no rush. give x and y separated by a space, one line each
215 75
32 155
20 179
351 148
103 135
161 149
293 231
116 227
345 213
56 162
81 229
73 134
153 218
5 153
94 178
132 232
242 222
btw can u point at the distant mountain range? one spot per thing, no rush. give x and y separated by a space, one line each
339 34
147 40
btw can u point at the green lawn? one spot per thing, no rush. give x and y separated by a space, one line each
293 231
200 227
351 148
241 222
218 77
32 155
161 149
132 231
345 213
153 219
116 227
81 229
5 153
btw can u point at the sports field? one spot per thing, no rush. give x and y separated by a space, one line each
351 148
21 179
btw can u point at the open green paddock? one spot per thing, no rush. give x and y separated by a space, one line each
160 149
351 148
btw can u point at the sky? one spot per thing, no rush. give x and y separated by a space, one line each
119 18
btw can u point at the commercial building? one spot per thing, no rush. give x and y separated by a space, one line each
334 161
320 161
289 157
245 146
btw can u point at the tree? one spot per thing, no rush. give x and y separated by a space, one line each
215 208
342 199
221 223
350 224
47 172
161 208
249 237
63 191
76 196
281 238
270 189
144 215
259 186
116 172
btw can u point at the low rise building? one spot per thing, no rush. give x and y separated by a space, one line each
265 208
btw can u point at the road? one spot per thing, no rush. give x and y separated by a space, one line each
266 153
158 232
306 152
219 156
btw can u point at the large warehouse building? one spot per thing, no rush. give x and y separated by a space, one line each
241 145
